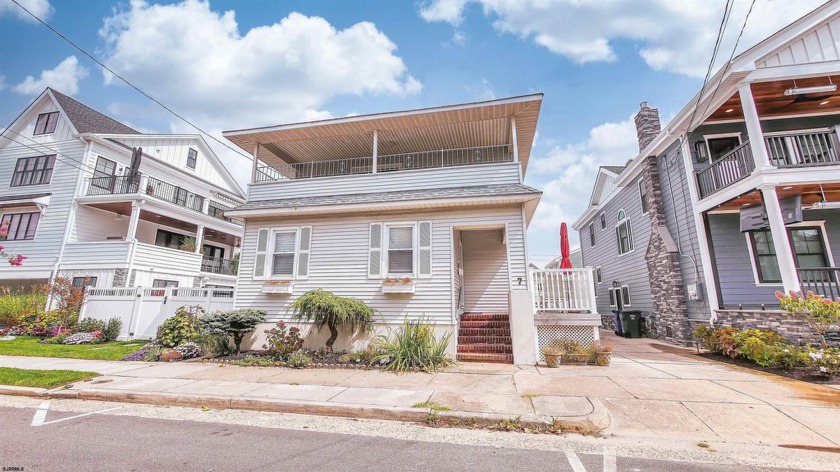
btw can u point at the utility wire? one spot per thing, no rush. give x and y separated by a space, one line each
731 56
727 9
101 64
43 145
42 152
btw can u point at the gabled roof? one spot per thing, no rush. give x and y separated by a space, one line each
614 169
87 120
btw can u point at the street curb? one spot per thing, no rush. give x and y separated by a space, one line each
597 420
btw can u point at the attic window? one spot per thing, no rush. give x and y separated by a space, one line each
46 123
192 156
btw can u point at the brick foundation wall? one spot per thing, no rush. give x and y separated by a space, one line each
666 283
794 331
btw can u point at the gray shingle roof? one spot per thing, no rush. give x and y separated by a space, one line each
88 120
396 196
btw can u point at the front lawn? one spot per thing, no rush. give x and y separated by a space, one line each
31 346
41 378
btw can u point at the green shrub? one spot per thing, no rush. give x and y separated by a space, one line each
180 328
17 304
256 361
110 330
825 362
323 308
89 325
213 345
413 346
821 314
298 360
282 342
235 323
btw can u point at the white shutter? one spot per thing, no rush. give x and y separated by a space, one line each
424 249
303 251
262 247
375 251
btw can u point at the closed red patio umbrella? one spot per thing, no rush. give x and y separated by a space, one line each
565 261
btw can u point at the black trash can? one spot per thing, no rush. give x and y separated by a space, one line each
631 321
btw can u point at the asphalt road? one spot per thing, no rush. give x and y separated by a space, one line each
112 442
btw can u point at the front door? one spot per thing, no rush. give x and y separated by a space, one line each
486 288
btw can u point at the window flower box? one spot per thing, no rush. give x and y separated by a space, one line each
278 287
395 285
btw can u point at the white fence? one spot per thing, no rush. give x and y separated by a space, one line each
568 290
143 309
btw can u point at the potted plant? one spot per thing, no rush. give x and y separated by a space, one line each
566 351
398 285
552 354
150 189
602 352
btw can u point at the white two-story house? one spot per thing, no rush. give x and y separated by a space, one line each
91 198
420 213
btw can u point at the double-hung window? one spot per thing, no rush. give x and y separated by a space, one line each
35 170
809 251
400 250
84 281
192 157
603 221
643 196
623 234
103 174
46 123
283 253
21 226
591 234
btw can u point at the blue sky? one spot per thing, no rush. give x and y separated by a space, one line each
228 64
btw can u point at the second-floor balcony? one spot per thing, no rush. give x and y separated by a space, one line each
789 150
218 265
156 188
385 163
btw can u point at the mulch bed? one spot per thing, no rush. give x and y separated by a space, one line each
796 374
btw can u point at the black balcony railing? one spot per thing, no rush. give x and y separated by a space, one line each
113 184
726 170
803 149
174 194
217 265
823 281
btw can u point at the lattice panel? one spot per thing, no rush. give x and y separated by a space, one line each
545 334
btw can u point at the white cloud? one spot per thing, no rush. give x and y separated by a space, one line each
64 77
222 78
40 8
674 36
567 175
2 81
459 38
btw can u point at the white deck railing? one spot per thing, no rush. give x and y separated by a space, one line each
567 290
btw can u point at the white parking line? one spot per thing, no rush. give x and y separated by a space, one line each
609 459
41 415
574 461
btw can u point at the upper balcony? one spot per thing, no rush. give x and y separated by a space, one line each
424 148
158 189
795 149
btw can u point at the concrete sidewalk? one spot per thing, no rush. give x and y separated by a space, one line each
650 390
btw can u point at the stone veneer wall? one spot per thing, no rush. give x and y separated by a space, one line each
120 276
794 331
670 320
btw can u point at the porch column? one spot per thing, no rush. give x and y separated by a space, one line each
754 133
131 234
375 157
514 140
256 163
781 242
199 239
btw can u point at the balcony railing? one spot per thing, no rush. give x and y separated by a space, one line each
111 185
217 211
174 194
803 149
217 265
726 170
565 290
823 281
385 163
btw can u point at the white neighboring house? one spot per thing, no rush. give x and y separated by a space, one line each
422 214
73 207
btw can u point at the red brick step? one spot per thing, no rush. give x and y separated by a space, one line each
485 337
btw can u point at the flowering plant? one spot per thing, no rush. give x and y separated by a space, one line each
15 260
398 280
188 350
819 313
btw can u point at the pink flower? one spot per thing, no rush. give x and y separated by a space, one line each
17 260
780 295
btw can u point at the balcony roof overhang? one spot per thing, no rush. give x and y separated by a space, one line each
466 125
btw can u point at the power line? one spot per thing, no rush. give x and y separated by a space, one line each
53 150
727 9
101 64
731 56
41 152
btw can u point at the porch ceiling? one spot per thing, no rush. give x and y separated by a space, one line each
429 129
123 209
771 101
811 194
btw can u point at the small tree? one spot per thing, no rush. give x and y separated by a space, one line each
68 300
234 323
819 313
323 308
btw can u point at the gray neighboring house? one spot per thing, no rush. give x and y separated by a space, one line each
737 198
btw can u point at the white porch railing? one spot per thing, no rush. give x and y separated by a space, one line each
565 290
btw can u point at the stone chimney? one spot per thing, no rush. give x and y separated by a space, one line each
647 125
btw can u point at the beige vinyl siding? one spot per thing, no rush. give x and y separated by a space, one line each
339 262
485 271
505 173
